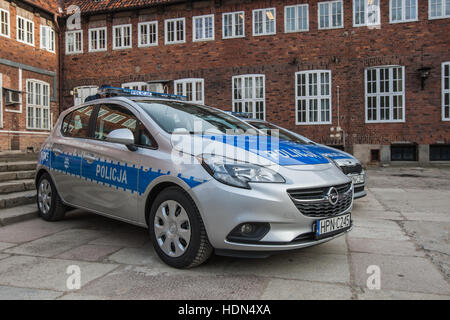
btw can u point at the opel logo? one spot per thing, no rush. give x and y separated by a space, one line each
333 196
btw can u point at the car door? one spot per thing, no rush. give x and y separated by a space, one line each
110 170
66 154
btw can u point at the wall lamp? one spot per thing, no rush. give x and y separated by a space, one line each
424 73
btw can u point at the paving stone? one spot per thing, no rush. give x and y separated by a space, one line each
31 230
145 256
13 293
400 273
88 253
372 233
279 289
3 256
399 295
427 216
124 239
368 213
335 246
389 247
57 243
44 273
142 283
5 245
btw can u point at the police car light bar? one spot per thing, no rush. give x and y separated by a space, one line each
110 91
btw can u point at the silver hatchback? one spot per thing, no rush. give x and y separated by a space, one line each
199 179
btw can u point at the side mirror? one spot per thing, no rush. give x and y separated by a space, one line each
122 136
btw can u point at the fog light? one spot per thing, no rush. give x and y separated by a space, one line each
246 228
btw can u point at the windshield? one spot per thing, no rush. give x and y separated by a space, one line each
281 133
181 117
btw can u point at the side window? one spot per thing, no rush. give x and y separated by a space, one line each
144 138
79 123
112 117
65 125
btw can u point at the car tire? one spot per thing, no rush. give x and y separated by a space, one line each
50 205
179 240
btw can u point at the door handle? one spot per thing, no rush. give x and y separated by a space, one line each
89 158
57 151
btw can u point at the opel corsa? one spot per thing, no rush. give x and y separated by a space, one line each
199 179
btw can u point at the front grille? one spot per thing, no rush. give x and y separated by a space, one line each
357 168
315 203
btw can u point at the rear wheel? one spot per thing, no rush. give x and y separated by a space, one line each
49 203
177 230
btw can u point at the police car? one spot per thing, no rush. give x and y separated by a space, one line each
199 179
348 163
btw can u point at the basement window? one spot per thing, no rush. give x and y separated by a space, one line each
440 152
404 153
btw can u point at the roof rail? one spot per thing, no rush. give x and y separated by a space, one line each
110 91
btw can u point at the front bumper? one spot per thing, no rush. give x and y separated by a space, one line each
224 207
360 191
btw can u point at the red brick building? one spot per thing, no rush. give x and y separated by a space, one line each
29 58
379 69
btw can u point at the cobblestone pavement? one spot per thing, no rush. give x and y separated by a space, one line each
402 227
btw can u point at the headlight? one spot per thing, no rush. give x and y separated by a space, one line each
236 173
334 162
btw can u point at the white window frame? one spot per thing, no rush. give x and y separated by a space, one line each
122 27
366 14
1 100
35 102
330 15
403 12
47 36
98 42
7 23
74 32
319 97
148 43
233 24
193 82
26 23
142 86
445 91
297 28
253 100
264 22
166 31
443 10
390 94
203 29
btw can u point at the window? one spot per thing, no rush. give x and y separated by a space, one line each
385 94
366 12
404 153
74 42
136 86
47 38
438 9
296 18
97 39
446 91
38 105
233 25
331 15
112 117
264 22
440 152
193 89
175 31
313 97
249 95
81 93
4 23
122 36
144 138
25 30
203 27
78 126
148 34
403 10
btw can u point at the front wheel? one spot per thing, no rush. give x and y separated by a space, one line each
177 230
49 203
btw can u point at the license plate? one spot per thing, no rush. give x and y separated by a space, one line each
358 179
331 226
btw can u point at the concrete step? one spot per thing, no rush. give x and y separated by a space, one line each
16 199
17 214
13 156
16 186
17 166
17 175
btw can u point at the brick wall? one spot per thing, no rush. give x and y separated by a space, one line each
346 52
